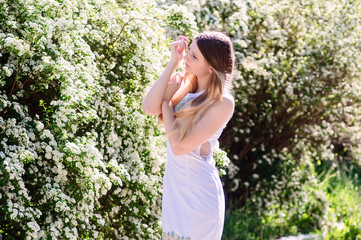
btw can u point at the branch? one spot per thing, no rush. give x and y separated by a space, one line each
121 30
18 71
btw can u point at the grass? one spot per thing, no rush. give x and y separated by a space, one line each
340 218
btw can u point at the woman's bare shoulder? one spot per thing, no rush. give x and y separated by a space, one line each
227 101
224 107
228 97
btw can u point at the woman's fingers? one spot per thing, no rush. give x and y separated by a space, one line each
179 77
176 78
183 38
180 44
178 48
176 45
173 85
185 41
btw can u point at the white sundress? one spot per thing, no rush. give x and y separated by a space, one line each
193 203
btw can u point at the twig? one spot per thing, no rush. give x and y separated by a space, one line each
18 71
16 75
121 30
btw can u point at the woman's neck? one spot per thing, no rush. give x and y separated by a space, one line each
202 83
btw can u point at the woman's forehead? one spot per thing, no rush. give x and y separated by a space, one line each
194 47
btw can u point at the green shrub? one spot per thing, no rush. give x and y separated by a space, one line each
344 212
328 208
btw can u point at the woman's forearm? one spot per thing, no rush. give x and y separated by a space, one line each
168 120
152 103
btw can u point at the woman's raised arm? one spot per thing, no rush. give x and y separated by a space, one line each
152 103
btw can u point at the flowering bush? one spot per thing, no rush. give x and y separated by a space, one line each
298 73
78 158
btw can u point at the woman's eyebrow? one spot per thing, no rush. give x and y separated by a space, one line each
192 50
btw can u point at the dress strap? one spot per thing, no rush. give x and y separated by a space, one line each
187 98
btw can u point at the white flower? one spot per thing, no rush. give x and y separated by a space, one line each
46 59
48 155
14 213
39 126
48 149
8 71
289 90
255 176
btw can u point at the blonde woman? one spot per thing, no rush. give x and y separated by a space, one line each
194 108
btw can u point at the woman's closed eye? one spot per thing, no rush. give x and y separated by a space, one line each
192 53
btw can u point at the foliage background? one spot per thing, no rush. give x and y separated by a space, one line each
78 158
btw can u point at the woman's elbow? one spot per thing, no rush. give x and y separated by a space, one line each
149 110
177 153
146 110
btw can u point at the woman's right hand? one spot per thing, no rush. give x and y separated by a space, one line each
173 85
178 49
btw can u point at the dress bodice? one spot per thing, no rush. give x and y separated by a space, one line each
213 140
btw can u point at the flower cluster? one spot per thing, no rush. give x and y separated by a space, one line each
221 159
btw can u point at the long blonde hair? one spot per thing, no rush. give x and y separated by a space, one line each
217 50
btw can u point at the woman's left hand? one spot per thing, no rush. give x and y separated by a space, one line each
178 49
173 85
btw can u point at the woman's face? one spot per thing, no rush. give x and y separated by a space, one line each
195 62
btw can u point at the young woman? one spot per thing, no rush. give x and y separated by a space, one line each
194 108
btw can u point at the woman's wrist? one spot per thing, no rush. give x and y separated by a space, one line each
168 113
166 102
173 63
